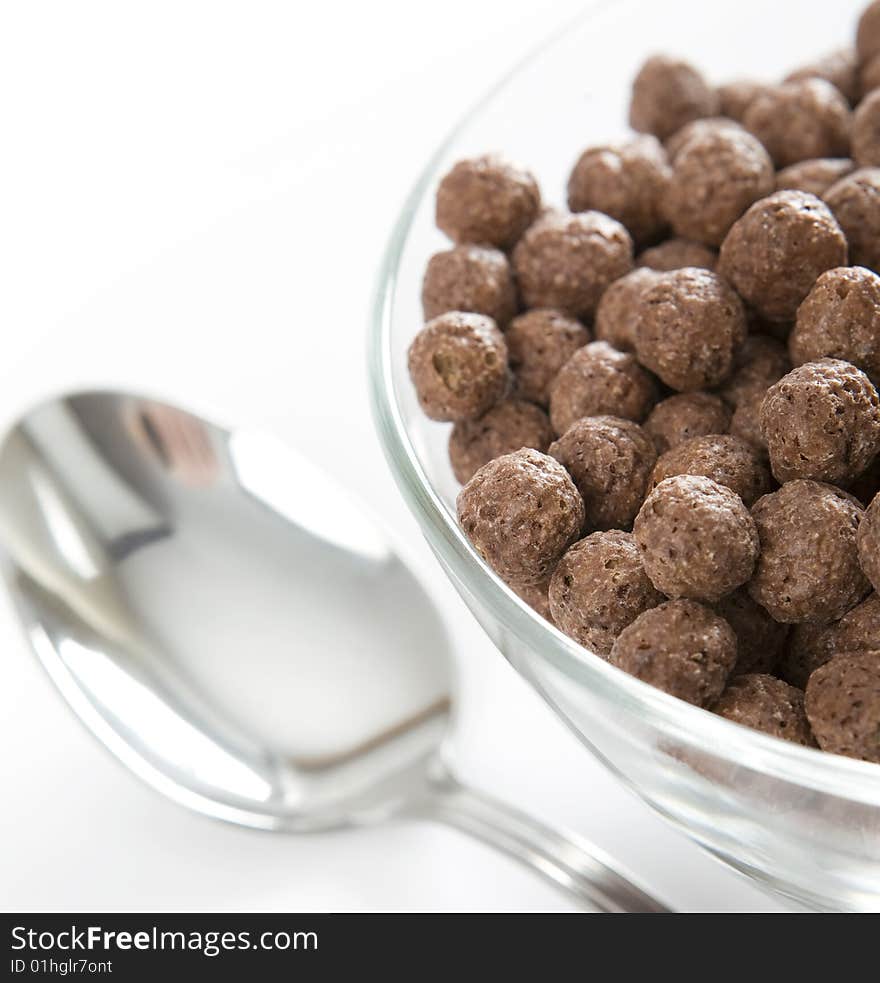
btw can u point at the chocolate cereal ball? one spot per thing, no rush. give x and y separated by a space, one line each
536 596
508 426
610 461
626 181
674 254
758 363
615 316
808 568
868 32
738 95
666 94
458 365
869 542
687 415
696 538
470 278
840 68
689 324
866 131
521 512
700 130
760 641
840 318
869 75
843 705
767 704
724 458
567 261
487 200
539 343
814 176
600 587
680 647
855 202
775 252
800 120
821 421
718 172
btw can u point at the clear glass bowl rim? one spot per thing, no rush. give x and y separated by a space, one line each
816 770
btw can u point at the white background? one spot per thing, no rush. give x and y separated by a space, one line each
195 198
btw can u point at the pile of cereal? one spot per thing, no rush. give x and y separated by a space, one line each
663 397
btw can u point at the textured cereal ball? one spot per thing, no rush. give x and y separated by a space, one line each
840 68
800 120
598 380
814 176
689 324
666 94
700 130
521 512
458 365
767 704
729 460
508 426
869 542
808 568
738 95
775 252
746 422
760 641
821 421
567 261
674 254
599 588
687 415
539 343
610 461
626 181
869 75
758 363
866 131
537 598
472 279
615 316
840 318
855 202
716 175
843 705
696 538
680 647
487 200
868 32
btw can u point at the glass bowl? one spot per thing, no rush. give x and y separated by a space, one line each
804 823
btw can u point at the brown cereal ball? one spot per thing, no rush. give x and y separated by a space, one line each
674 254
599 588
800 120
610 461
840 68
689 324
840 318
509 425
598 380
615 316
814 176
869 542
729 460
868 32
718 172
626 181
680 647
746 422
869 75
521 512
843 705
808 568
687 415
866 131
700 130
696 538
472 279
668 93
536 596
487 200
759 362
567 261
775 252
855 202
760 641
458 365
821 421
767 704
539 343
737 96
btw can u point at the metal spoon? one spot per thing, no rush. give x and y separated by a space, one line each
236 630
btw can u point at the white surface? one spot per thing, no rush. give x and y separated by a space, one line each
195 198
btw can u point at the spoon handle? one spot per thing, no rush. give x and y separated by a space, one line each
596 881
